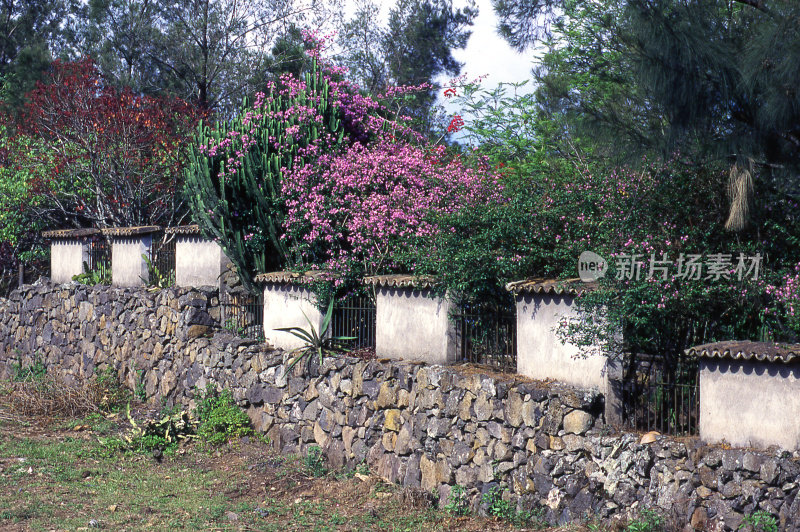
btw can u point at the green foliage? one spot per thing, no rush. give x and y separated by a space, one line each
507 511
314 462
219 418
232 326
110 395
35 372
155 277
648 521
317 343
457 502
140 391
759 521
244 211
163 434
93 277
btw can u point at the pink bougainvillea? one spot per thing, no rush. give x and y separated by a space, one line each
361 210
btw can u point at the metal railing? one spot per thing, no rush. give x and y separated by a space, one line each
163 257
663 395
486 333
100 256
242 314
354 316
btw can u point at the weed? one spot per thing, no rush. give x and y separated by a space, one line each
36 372
219 417
234 328
93 277
155 277
760 521
314 462
648 521
505 510
109 394
457 503
141 389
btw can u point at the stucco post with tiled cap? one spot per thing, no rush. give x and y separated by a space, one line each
128 244
287 303
69 250
541 305
412 321
749 394
198 261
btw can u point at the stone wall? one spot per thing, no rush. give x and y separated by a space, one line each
422 426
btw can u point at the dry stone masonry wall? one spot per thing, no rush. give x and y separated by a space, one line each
425 427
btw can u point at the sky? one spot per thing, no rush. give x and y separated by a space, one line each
486 52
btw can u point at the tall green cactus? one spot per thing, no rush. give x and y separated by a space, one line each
248 202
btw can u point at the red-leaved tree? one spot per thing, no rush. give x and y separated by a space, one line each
117 156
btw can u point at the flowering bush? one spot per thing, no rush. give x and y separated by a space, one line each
316 174
361 212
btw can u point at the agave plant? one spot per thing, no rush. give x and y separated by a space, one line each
317 343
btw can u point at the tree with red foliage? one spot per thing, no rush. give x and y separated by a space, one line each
117 156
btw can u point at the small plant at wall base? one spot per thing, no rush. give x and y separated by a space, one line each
33 373
219 417
457 502
314 462
760 521
93 277
317 343
648 521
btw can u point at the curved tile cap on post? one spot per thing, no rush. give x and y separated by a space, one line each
128 245
749 393
198 260
69 250
288 302
541 305
541 285
412 321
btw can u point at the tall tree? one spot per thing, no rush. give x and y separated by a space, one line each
715 77
30 33
415 48
211 52
101 156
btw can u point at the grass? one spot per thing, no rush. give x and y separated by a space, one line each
53 477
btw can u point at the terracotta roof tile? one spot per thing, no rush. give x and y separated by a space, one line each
183 230
131 231
286 277
573 287
747 350
70 233
401 281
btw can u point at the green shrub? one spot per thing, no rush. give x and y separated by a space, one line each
457 502
648 521
219 417
93 277
109 394
34 372
760 521
314 462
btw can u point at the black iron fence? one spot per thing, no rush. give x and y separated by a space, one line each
486 333
163 259
663 395
100 256
242 314
354 317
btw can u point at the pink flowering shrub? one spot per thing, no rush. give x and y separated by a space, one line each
362 211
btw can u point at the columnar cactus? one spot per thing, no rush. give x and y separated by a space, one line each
233 180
